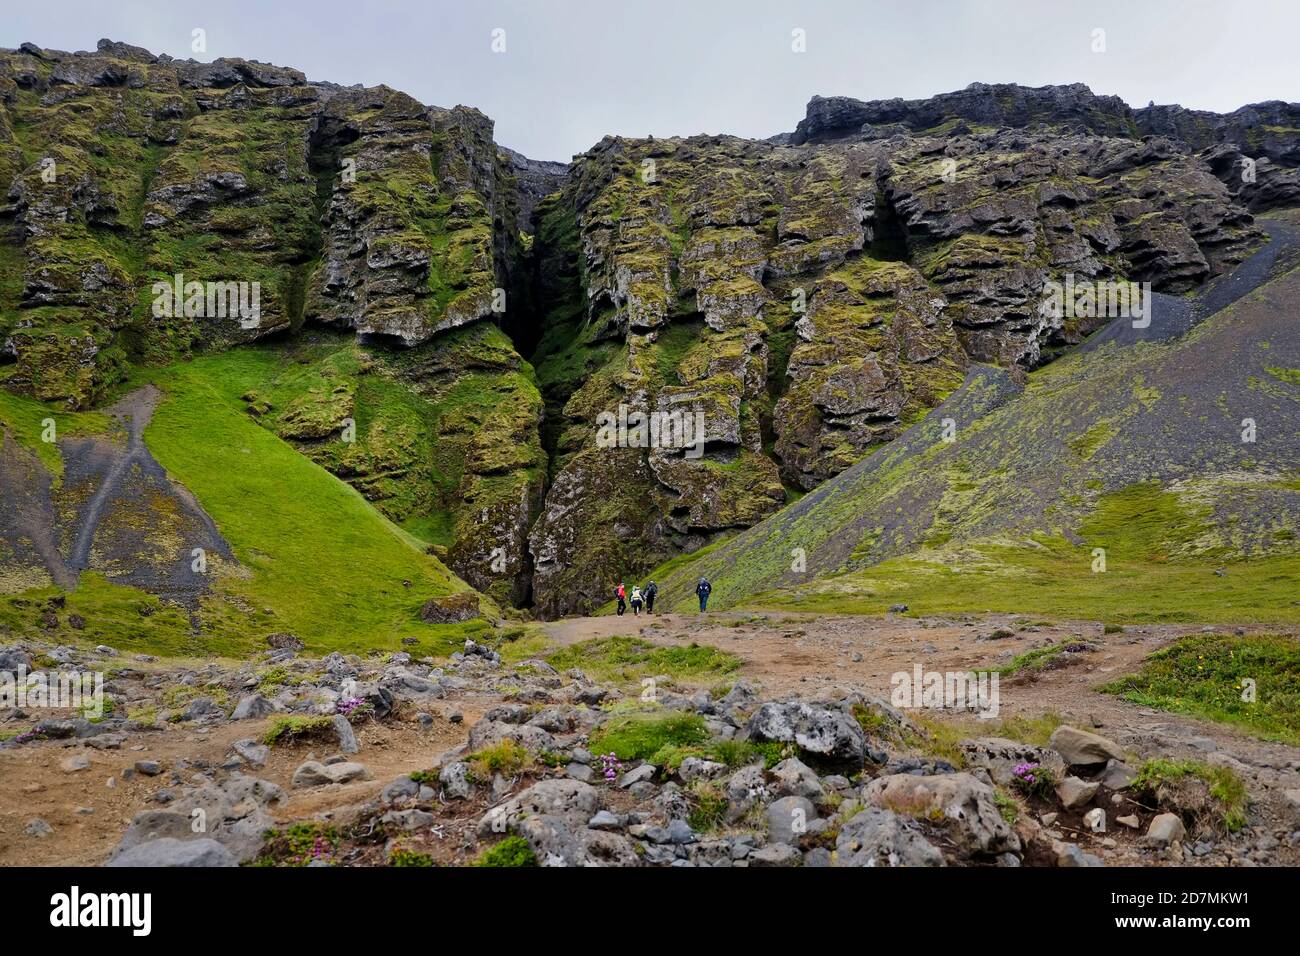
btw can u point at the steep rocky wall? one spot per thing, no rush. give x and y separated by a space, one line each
807 298
813 301
357 209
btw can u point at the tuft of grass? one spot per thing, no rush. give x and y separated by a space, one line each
708 807
1215 676
401 856
1007 805
299 844
645 736
288 729
512 851
507 758
1032 660
1164 779
628 659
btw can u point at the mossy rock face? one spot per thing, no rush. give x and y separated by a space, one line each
813 299
360 209
264 199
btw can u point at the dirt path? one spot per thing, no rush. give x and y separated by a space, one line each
89 817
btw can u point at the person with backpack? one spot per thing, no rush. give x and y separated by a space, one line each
651 590
703 590
621 593
637 600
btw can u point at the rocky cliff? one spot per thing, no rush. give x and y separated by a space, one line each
466 323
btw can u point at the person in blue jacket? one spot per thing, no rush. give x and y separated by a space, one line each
703 590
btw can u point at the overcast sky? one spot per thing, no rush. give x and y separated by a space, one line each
575 70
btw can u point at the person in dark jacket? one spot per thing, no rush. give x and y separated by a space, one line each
703 590
651 590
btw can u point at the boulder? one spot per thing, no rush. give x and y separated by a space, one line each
816 729
347 737
452 609
252 707
793 778
571 801
878 837
957 797
1080 748
316 774
168 851
788 819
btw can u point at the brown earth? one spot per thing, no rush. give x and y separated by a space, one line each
808 655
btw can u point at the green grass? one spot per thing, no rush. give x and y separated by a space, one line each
506 758
1057 580
403 857
289 729
301 532
24 418
628 659
512 851
1033 660
644 736
1204 676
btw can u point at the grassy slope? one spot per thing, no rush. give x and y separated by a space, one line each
328 564
23 418
1008 516
318 560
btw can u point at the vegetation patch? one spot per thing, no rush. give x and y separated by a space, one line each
512 851
299 844
644 736
400 856
1252 682
507 758
628 659
289 729
1202 795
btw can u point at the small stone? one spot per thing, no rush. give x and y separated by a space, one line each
1118 775
252 707
1095 820
1131 821
642 774
1165 829
251 752
38 828
150 768
579 771
347 738
74 763
604 820
1075 793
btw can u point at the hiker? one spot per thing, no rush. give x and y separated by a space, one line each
637 600
704 589
651 590
621 593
